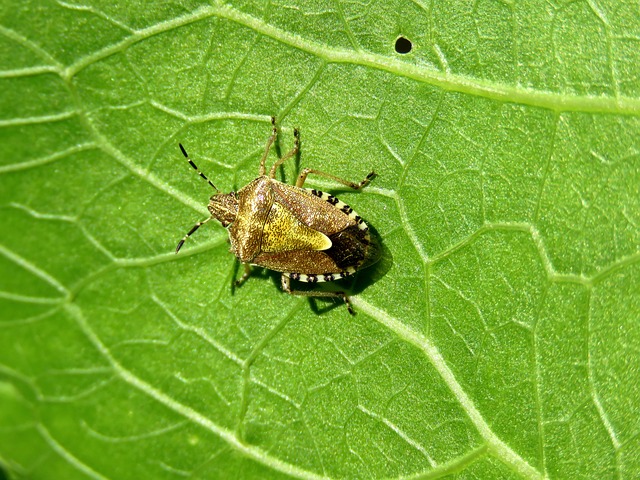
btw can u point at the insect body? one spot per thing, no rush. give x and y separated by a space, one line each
308 235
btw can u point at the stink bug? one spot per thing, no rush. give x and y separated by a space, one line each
308 235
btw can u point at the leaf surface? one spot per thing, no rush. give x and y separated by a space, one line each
498 335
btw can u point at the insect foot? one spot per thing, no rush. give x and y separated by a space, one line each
306 234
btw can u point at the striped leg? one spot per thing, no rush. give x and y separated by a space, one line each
356 186
291 153
272 138
286 286
245 275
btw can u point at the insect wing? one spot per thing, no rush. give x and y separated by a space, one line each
311 210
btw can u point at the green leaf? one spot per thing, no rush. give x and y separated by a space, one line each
497 337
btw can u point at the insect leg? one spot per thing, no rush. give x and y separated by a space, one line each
190 232
245 275
272 138
291 153
356 186
286 286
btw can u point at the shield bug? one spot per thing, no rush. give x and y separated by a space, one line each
307 235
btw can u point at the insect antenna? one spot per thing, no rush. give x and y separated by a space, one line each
184 152
190 232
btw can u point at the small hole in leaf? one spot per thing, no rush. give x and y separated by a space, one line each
403 45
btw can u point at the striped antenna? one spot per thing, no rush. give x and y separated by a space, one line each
184 152
193 229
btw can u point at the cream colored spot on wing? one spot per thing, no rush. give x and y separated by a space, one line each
283 232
